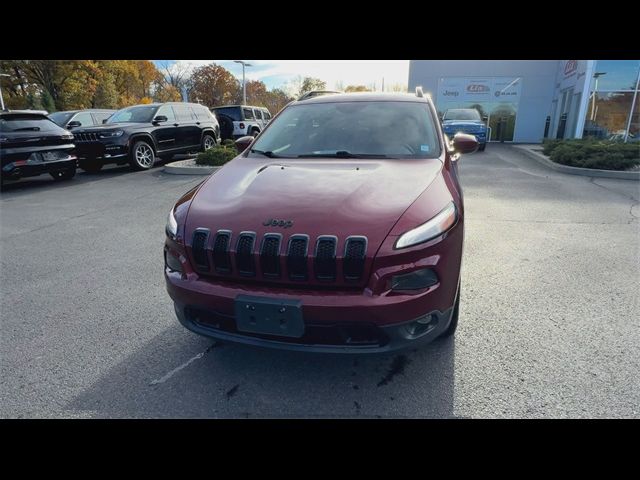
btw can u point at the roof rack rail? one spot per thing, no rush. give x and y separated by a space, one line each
419 93
317 93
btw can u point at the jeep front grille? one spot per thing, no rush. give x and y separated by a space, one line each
278 257
85 137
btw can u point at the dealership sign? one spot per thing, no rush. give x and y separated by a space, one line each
472 89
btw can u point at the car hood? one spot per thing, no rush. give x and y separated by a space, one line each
340 197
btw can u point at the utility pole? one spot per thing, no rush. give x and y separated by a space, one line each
244 83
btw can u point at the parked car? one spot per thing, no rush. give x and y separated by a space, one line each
81 118
31 144
465 120
339 229
239 120
138 135
317 93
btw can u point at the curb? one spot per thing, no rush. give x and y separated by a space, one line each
187 167
585 172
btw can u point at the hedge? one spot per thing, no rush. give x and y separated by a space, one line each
588 153
217 156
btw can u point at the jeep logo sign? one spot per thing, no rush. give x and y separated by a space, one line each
277 223
477 88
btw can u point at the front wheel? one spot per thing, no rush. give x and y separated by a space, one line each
482 147
208 142
142 156
67 174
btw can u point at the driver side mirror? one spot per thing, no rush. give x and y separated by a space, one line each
74 124
243 143
464 143
160 119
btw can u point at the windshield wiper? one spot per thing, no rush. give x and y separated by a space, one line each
342 154
268 153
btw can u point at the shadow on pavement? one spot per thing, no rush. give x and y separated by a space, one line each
178 374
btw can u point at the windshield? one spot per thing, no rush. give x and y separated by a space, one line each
61 118
138 114
26 123
462 114
382 129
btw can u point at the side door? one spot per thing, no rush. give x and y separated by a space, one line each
166 133
188 129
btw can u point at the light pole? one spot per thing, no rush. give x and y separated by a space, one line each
2 99
244 84
595 89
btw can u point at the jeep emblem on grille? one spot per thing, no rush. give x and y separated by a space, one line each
278 223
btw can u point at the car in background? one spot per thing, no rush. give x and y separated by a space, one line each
140 134
465 120
339 229
317 93
239 120
81 118
31 144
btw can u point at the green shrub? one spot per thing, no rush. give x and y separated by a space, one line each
593 153
216 156
229 143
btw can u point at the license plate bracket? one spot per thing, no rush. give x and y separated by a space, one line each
269 316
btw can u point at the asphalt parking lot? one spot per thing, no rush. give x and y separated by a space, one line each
549 322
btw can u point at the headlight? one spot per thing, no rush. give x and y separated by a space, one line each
172 225
439 224
116 133
67 136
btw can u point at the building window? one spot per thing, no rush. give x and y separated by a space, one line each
615 75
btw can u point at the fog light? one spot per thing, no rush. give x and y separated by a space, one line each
416 280
172 262
422 325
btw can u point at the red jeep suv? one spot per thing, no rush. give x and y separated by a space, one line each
338 229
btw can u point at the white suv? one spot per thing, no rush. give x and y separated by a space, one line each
239 120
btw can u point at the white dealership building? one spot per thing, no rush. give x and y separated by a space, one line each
529 100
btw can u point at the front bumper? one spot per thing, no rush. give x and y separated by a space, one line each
330 338
105 152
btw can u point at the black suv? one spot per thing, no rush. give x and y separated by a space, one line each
138 135
31 144
71 119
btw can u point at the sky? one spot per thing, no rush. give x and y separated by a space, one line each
276 73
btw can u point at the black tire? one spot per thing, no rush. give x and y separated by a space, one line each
61 175
226 126
482 147
142 156
208 141
90 165
451 329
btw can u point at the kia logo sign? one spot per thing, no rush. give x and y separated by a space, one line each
476 88
570 67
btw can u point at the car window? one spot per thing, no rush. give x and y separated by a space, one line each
61 118
248 113
101 116
183 113
85 119
462 114
167 111
26 122
383 128
203 113
137 114
232 112
259 114
267 115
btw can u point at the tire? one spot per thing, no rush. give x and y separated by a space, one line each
142 156
482 147
90 165
226 126
451 329
61 175
208 142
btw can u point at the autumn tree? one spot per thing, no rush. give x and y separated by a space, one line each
214 85
106 94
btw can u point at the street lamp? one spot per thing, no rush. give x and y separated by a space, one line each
244 84
595 90
2 99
